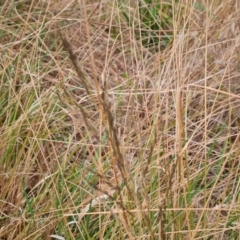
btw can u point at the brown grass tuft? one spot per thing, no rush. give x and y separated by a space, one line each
104 138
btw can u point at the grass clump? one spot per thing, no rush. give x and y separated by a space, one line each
103 137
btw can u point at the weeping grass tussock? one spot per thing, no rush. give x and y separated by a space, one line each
119 119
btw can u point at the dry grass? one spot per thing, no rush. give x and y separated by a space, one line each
101 138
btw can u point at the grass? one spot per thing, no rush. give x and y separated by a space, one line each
104 137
